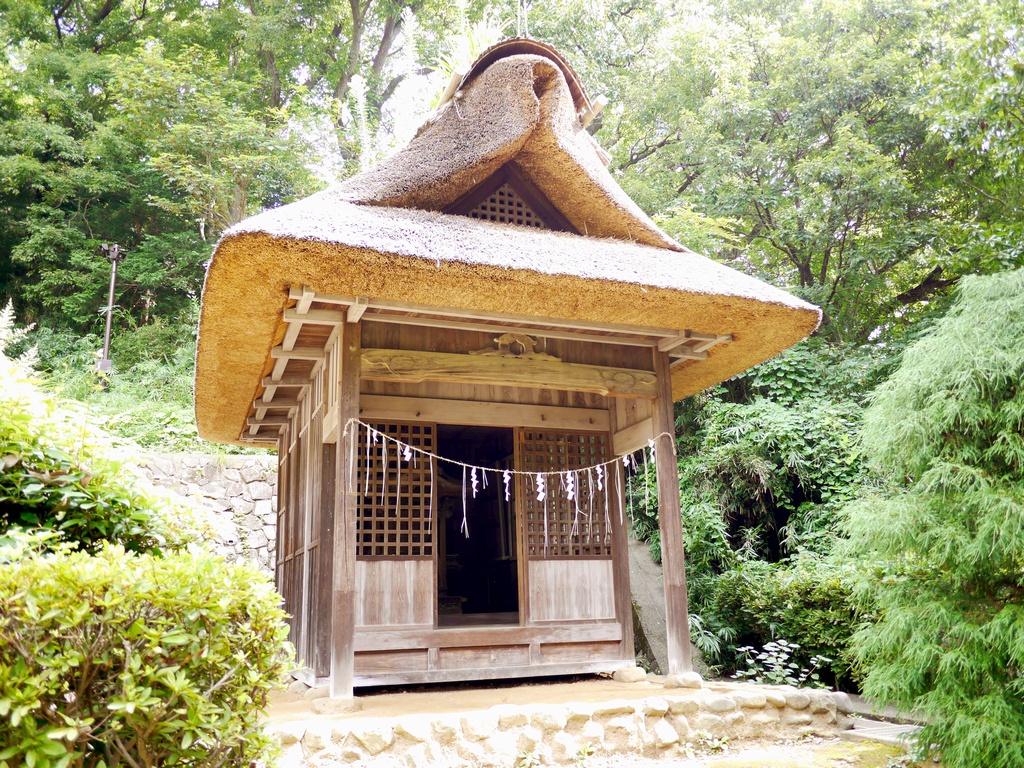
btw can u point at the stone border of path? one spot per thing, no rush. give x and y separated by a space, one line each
658 725
886 725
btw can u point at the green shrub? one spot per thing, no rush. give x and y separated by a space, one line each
806 601
123 659
760 480
774 664
56 472
943 547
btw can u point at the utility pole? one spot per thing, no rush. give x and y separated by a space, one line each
113 253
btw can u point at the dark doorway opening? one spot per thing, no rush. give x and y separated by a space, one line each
478 575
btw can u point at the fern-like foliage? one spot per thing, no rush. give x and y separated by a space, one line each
11 334
945 543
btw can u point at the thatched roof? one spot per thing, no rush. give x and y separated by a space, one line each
383 234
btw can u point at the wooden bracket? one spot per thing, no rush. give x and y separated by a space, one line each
357 308
277 402
296 380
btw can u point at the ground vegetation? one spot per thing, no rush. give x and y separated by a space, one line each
122 641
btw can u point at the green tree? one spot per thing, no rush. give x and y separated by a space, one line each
975 108
105 138
943 543
789 140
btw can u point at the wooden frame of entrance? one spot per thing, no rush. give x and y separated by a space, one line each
324 331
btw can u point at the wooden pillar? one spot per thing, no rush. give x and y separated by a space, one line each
325 563
673 561
343 604
620 546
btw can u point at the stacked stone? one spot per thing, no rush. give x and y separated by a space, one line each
658 726
237 495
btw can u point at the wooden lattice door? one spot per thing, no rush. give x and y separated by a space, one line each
555 526
396 496
566 544
395 549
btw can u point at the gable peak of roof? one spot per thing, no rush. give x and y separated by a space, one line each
519 106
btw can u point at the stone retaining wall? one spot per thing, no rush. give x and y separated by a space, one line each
676 723
237 493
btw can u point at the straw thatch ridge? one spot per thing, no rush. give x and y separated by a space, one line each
518 109
517 45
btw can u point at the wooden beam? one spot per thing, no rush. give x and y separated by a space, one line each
686 354
481 414
324 586
417 677
315 316
620 553
595 109
671 342
343 604
709 343
278 402
673 563
290 380
356 309
268 421
709 339
304 298
554 322
276 374
297 353
461 325
303 302
259 440
415 367
632 438
386 639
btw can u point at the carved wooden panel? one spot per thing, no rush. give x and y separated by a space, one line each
556 526
395 496
393 365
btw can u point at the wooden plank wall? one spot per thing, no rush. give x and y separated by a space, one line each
395 593
300 509
571 589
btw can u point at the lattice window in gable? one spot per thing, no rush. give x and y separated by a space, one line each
507 207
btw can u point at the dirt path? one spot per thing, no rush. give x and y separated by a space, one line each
818 753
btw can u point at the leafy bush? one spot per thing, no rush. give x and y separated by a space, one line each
123 659
56 472
759 481
774 665
943 547
807 601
